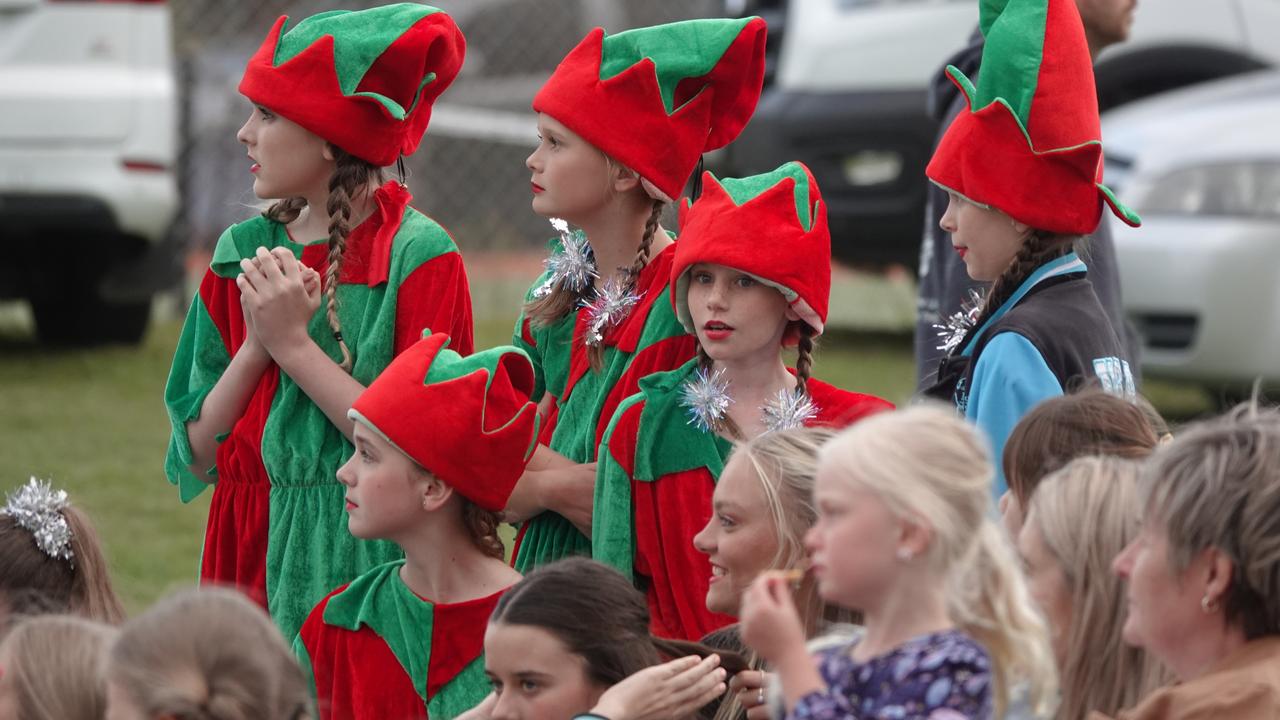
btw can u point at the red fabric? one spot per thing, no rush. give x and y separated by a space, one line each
482 425
435 296
777 247
658 357
457 639
356 674
1064 109
626 118
235 548
306 88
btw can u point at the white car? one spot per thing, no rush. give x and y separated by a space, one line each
1201 277
87 154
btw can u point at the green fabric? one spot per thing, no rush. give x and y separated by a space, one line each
466 690
743 190
198 362
549 536
309 551
359 39
665 443
380 600
304 661
679 50
1011 57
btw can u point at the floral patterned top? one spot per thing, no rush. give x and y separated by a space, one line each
941 676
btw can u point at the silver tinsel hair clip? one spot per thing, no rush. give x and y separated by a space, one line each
706 397
610 306
791 409
37 508
952 332
574 267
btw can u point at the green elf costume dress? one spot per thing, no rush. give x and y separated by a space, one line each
1029 146
653 99
365 81
660 459
373 648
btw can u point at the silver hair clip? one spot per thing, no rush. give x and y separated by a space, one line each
37 508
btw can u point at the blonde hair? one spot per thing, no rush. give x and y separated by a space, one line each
55 665
927 464
1086 513
81 585
1215 486
209 654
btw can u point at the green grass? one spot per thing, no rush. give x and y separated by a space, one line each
94 423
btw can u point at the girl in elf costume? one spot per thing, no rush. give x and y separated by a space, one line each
1023 169
623 121
405 640
272 356
751 274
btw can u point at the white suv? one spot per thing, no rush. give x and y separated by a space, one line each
87 154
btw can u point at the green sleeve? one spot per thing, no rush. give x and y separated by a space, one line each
612 531
200 359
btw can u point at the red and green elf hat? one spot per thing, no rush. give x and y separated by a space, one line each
467 420
656 98
365 80
772 226
1029 144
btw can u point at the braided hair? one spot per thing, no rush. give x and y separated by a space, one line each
1040 247
595 353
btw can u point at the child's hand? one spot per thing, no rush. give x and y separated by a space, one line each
769 620
749 687
670 690
274 290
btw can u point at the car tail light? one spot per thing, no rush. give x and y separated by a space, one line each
144 166
113 2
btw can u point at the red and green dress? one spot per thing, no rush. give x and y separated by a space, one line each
277 529
656 475
649 340
373 649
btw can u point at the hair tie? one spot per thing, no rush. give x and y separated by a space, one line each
37 508
337 335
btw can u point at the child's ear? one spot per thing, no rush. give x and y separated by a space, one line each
790 314
915 538
624 178
327 152
433 492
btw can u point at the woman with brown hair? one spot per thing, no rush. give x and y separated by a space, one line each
51 559
1203 573
1083 602
1060 429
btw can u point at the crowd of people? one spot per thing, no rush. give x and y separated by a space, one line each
703 531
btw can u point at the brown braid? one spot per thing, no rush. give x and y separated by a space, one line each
595 353
804 357
1039 247
350 175
483 527
285 211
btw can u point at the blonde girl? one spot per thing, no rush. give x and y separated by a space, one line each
904 536
51 669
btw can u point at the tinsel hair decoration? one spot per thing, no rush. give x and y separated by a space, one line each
959 323
706 397
37 508
610 306
574 267
789 410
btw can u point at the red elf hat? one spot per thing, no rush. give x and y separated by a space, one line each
656 98
365 80
1030 143
772 226
468 420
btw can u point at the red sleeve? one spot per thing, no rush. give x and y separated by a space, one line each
668 513
221 297
666 354
436 296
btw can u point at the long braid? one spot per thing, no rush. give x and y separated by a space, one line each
804 357
595 353
1037 249
350 175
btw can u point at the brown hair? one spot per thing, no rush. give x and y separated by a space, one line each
81 585
1039 247
1094 498
483 526
55 667
1089 422
350 176
1215 487
209 654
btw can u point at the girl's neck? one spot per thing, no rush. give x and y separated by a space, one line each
615 234
916 606
1202 653
443 565
313 221
753 381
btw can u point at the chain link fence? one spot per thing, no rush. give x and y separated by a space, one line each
469 172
